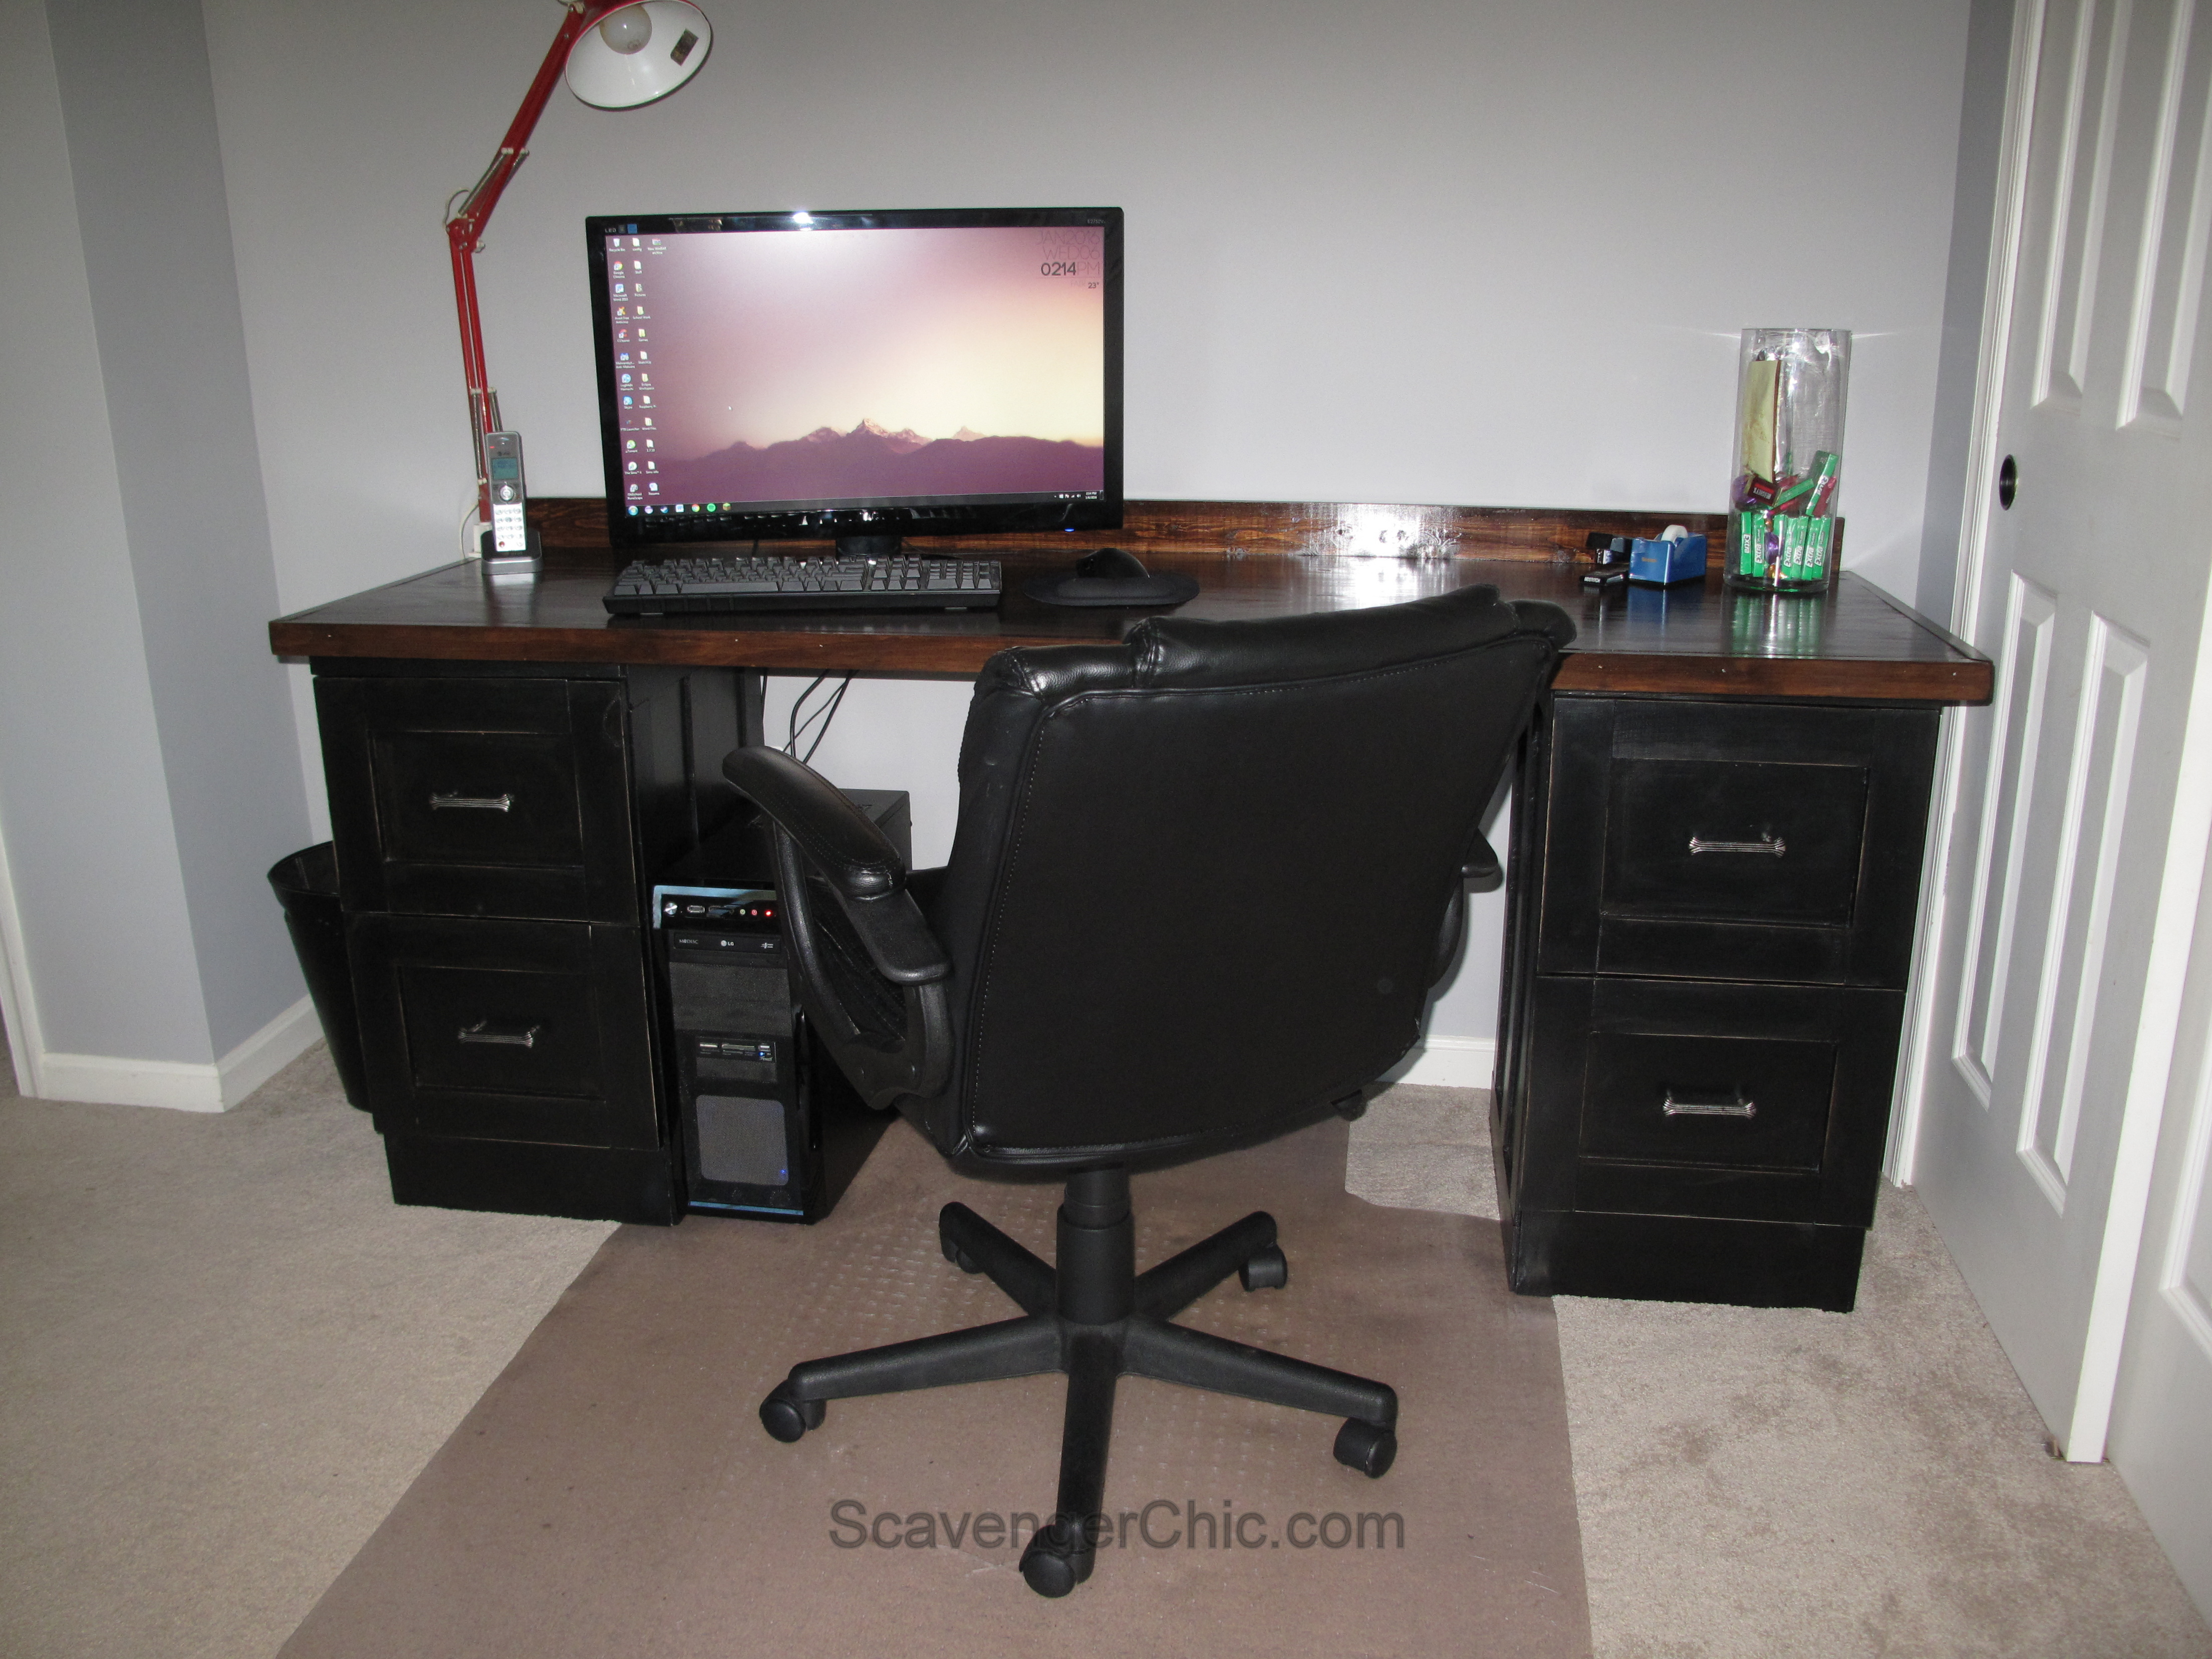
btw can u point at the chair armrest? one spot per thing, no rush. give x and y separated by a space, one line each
838 838
899 940
839 842
1481 869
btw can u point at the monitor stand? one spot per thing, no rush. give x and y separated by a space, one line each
867 547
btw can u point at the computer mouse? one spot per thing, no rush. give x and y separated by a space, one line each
1110 563
1112 577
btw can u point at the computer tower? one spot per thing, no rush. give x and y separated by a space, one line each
766 1125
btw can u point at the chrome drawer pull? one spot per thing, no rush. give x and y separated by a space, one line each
474 802
484 1031
1737 1108
1773 844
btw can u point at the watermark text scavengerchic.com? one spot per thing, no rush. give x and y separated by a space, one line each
1160 1524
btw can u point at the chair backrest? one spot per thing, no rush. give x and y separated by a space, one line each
1199 878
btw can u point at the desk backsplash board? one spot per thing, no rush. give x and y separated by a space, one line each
1536 534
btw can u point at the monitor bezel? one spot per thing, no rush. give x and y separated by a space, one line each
828 520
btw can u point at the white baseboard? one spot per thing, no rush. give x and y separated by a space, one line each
178 1085
1448 1062
268 1051
104 1079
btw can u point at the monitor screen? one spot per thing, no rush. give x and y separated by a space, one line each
859 376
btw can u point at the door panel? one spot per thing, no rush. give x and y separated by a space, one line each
2094 45
2018 741
2176 233
2073 954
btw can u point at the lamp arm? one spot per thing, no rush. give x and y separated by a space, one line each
464 226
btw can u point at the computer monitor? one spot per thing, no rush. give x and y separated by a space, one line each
859 376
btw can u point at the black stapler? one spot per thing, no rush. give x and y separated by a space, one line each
1609 560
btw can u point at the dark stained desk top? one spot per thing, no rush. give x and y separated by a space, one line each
1250 560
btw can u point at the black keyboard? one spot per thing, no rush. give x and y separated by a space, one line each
670 585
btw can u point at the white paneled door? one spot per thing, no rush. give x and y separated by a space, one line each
2076 838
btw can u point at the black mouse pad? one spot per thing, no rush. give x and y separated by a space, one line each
1160 587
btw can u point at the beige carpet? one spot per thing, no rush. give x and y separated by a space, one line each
1757 1481
1423 1148
1761 1482
224 1353
613 1491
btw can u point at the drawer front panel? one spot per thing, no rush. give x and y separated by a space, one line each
1781 1096
1771 843
508 1030
502 1031
1747 1103
479 797
1748 841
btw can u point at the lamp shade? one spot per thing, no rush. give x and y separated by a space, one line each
638 53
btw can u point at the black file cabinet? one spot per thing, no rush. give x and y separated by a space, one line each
1711 926
496 826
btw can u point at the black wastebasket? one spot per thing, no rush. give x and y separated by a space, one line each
307 885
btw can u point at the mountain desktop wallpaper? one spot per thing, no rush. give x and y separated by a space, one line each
836 364
868 461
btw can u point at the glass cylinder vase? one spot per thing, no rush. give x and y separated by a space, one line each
1791 387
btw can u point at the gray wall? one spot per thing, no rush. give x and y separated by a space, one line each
139 110
148 768
1417 250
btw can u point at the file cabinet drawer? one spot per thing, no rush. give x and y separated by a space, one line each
484 798
1734 1102
1761 1103
522 1032
1736 840
490 796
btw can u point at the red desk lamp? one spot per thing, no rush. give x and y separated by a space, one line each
617 54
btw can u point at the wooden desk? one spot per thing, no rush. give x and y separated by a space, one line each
1251 560
1613 966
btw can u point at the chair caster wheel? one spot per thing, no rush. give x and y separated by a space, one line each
786 1416
1270 1270
958 1257
1050 1565
1364 1447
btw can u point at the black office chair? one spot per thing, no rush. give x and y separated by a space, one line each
1200 886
